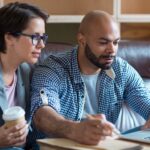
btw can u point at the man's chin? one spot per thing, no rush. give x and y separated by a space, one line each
105 67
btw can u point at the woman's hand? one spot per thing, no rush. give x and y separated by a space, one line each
13 136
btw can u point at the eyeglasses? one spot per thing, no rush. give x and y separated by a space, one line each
36 38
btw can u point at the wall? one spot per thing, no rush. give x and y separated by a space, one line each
62 32
131 28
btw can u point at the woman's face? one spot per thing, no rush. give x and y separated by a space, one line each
27 48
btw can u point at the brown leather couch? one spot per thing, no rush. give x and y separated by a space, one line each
137 53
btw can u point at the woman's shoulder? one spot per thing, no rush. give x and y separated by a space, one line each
25 69
25 66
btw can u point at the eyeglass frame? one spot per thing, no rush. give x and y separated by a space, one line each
33 37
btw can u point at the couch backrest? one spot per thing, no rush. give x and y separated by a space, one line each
137 53
54 49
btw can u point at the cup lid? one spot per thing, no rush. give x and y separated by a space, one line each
13 113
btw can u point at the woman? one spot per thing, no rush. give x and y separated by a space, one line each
22 36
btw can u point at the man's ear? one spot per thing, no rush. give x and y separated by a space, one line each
81 40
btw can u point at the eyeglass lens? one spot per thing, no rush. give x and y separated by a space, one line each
36 39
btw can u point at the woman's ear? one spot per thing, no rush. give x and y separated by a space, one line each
81 40
9 39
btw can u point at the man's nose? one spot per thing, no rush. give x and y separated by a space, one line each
111 48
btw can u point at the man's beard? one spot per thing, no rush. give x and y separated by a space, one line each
97 60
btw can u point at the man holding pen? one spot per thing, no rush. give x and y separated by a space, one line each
90 79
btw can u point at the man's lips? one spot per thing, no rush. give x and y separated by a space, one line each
107 59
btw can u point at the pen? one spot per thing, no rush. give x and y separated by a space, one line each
116 131
138 147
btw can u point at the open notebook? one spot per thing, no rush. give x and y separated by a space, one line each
137 134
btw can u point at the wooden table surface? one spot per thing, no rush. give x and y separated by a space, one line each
108 144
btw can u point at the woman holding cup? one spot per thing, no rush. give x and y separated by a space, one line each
22 36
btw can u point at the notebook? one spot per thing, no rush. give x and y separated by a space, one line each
137 134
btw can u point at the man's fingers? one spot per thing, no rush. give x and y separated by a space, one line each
101 127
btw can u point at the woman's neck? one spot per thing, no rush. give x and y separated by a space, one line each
9 67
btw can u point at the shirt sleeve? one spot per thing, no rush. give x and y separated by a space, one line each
136 94
44 89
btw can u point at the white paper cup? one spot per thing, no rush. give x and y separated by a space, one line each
13 115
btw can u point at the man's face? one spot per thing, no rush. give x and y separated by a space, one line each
103 61
101 46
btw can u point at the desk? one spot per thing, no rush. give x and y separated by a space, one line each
108 144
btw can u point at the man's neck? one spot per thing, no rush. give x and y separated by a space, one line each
86 67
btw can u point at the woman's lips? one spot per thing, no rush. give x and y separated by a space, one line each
36 54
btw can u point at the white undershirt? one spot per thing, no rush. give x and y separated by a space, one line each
127 118
91 101
10 92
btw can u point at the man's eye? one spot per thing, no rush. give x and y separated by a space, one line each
115 43
103 43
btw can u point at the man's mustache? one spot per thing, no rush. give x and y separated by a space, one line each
107 56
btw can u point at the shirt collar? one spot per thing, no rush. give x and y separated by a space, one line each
75 66
110 72
75 71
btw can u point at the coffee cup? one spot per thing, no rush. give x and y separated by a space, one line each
13 115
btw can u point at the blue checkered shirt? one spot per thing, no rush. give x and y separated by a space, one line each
60 79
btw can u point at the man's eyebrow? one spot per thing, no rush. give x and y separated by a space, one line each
105 39
117 39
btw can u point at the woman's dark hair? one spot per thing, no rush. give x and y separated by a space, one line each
14 17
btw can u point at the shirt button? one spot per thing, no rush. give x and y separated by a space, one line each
82 96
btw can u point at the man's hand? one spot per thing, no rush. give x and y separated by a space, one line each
147 125
92 130
13 136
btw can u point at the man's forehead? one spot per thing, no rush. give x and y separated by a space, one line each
109 39
94 18
98 26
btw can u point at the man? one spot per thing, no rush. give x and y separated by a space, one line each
87 80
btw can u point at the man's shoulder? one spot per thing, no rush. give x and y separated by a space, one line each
119 62
59 61
122 67
119 65
56 65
